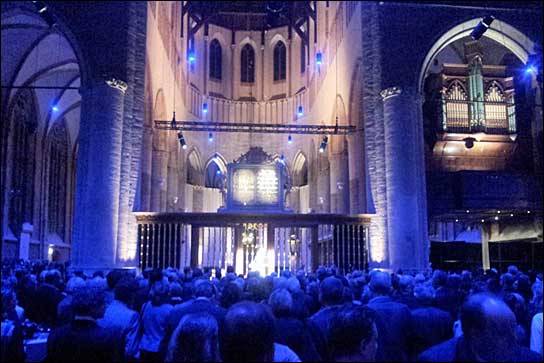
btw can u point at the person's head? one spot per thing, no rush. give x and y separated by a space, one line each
194 340
331 291
516 303
380 283
507 281
125 289
204 288
440 278
159 292
488 325
423 294
281 303
230 295
89 300
73 284
513 270
353 334
406 284
113 278
248 334
8 301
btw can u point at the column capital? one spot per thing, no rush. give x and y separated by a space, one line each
390 92
117 83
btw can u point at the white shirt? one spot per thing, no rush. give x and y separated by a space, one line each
536 333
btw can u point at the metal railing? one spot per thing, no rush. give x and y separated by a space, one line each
282 241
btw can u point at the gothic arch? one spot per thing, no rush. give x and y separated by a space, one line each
503 33
194 167
300 170
159 113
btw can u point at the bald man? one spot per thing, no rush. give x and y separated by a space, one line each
488 336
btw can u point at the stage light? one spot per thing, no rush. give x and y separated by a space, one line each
323 145
289 139
456 220
191 56
182 142
55 108
511 214
483 221
498 212
482 27
468 211
496 218
204 108
319 59
210 137
528 212
299 111
218 172
40 6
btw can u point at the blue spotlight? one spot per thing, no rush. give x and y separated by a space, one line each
299 111
289 139
204 108
318 58
182 142
531 69
191 56
210 137
218 172
55 108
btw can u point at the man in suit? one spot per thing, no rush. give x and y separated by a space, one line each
488 336
119 316
393 320
83 339
204 302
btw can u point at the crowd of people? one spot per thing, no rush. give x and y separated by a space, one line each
197 315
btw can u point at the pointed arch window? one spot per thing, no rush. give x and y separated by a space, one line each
279 61
495 109
58 163
214 176
21 194
215 59
194 169
302 57
456 112
247 64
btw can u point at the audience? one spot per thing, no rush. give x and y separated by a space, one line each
328 315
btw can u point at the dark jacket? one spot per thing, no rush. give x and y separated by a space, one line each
393 321
82 340
297 336
430 326
457 350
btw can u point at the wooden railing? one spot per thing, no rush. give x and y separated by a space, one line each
282 241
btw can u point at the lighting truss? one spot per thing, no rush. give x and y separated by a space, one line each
205 126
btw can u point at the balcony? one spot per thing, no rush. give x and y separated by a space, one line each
280 111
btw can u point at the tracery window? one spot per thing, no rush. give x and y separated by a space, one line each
247 64
58 163
215 59
279 61
24 125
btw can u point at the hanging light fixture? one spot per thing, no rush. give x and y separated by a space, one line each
204 108
300 112
182 142
210 137
319 58
323 145
482 27
289 139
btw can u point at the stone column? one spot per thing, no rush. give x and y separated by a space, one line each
405 180
159 185
24 242
339 183
96 212
485 247
146 169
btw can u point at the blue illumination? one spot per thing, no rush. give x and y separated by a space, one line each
289 139
55 108
531 69
204 107
299 111
218 172
210 137
318 59
191 56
